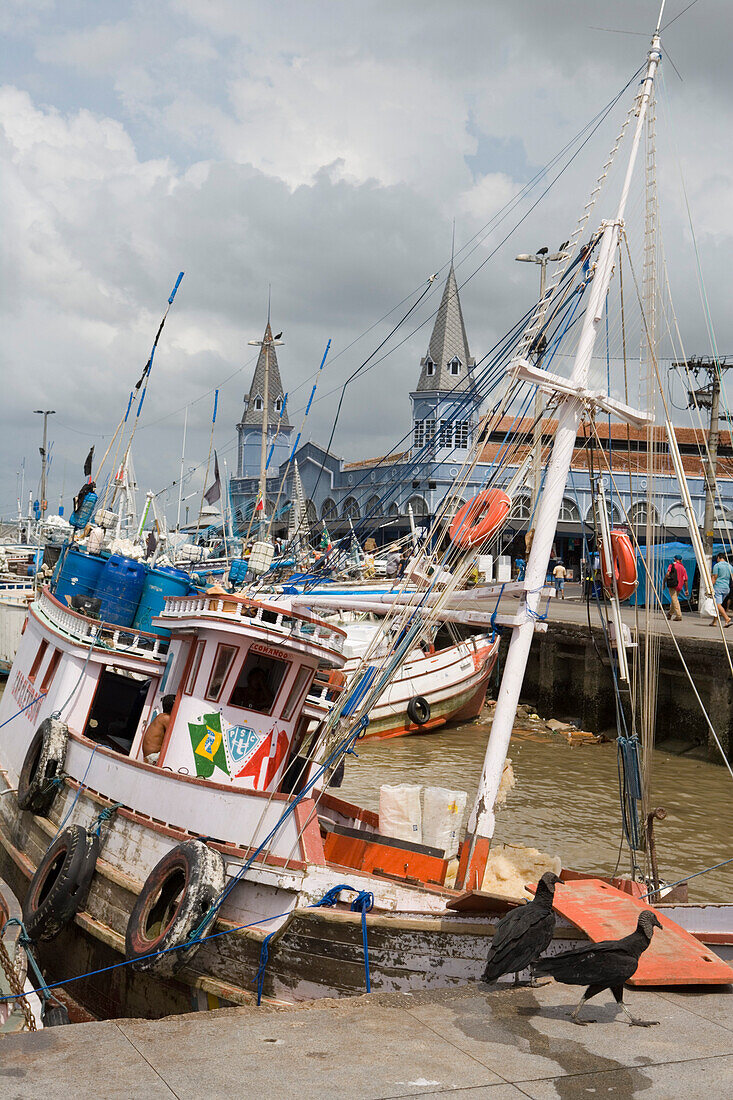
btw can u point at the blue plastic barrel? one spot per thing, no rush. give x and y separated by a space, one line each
77 574
160 582
119 588
83 516
238 570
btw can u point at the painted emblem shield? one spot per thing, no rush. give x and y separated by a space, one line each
241 742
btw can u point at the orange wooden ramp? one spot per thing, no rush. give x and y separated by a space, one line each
674 957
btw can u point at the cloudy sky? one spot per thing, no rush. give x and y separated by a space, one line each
323 147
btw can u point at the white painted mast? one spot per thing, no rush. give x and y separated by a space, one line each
482 819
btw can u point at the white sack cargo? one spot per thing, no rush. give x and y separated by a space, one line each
400 815
442 817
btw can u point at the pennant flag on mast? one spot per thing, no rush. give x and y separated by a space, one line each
88 463
260 505
213 493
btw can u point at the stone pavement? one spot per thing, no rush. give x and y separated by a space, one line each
473 1041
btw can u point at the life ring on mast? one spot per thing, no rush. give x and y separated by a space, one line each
44 761
175 899
418 710
480 517
624 566
61 883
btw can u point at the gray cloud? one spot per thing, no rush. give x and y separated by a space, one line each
321 148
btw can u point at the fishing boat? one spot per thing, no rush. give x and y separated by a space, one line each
223 866
436 684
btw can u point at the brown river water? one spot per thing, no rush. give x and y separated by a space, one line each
566 800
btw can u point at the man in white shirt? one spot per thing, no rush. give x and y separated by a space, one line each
559 573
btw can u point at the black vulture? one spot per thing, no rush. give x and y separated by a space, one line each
523 934
604 965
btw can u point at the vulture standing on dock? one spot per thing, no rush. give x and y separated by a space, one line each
523 934
604 965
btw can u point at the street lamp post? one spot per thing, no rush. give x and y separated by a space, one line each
45 413
542 257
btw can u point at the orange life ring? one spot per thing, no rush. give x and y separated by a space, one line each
480 517
624 565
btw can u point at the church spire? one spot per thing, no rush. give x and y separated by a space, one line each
254 402
448 363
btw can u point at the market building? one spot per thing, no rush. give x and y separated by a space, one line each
376 495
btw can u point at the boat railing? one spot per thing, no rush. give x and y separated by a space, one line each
139 643
289 624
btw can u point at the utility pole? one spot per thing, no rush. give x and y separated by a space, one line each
45 413
268 342
708 397
542 258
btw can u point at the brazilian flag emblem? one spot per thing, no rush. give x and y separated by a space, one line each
208 745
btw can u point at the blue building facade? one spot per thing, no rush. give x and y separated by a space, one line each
375 496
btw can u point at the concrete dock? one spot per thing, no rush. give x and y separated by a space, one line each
569 676
474 1041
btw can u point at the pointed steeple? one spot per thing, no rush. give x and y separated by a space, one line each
254 402
448 363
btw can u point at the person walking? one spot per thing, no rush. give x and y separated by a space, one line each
676 580
722 574
559 573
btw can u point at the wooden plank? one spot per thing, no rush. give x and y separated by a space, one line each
481 901
674 957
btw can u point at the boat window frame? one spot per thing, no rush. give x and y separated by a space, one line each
191 673
278 694
38 660
50 672
221 646
296 693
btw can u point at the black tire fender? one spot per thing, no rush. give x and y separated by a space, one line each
174 900
61 883
418 710
43 763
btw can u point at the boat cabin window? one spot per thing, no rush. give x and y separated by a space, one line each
117 708
222 664
194 669
174 668
37 661
53 664
305 675
259 682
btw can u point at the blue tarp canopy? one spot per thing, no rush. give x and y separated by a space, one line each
665 554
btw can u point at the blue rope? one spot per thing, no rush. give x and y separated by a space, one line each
344 748
494 613
26 707
260 975
535 614
153 954
26 943
104 816
362 903
80 788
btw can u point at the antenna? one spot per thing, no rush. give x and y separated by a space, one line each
659 20
453 242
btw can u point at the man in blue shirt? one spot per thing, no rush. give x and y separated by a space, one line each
722 574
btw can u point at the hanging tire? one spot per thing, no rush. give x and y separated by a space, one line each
175 898
43 764
61 883
418 710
